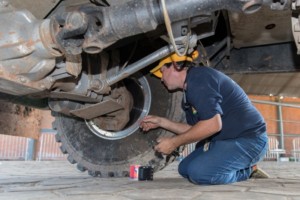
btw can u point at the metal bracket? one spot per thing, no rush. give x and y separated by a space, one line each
96 110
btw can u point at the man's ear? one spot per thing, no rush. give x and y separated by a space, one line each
176 66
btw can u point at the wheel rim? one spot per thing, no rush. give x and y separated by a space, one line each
141 93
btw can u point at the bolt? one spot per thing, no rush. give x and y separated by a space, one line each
76 20
22 79
96 84
184 31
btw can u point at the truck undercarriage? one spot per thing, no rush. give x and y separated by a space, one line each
89 62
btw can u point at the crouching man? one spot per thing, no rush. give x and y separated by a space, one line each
230 132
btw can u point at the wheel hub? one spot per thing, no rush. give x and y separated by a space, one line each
116 121
136 100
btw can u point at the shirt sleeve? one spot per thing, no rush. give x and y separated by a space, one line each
204 95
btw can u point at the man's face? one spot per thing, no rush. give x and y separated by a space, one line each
169 75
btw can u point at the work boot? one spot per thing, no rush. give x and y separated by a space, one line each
258 173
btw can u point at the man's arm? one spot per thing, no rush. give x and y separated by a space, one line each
175 127
201 130
151 122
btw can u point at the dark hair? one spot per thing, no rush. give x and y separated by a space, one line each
168 65
184 64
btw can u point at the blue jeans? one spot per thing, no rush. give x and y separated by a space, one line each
225 161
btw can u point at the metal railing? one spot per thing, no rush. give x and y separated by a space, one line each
13 147
21 148
49 148
189 148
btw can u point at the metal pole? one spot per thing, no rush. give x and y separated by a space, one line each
276 104
30 150
133 68
280 126
279 109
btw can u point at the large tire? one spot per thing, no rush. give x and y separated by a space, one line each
112 158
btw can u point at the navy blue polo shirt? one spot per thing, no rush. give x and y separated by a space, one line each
210 92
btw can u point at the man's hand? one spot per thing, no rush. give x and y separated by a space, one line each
165 145
150 122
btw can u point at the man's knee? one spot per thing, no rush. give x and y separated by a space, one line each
182 169
209 179
201 175
196 174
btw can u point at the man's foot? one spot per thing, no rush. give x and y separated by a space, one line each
258 173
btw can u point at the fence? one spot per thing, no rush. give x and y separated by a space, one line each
188 149
49 148
12 147
21 148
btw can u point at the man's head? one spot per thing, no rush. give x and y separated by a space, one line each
173 59
172 71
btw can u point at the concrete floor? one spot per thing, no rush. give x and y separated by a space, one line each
60 180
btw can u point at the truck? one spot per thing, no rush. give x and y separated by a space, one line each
89 62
